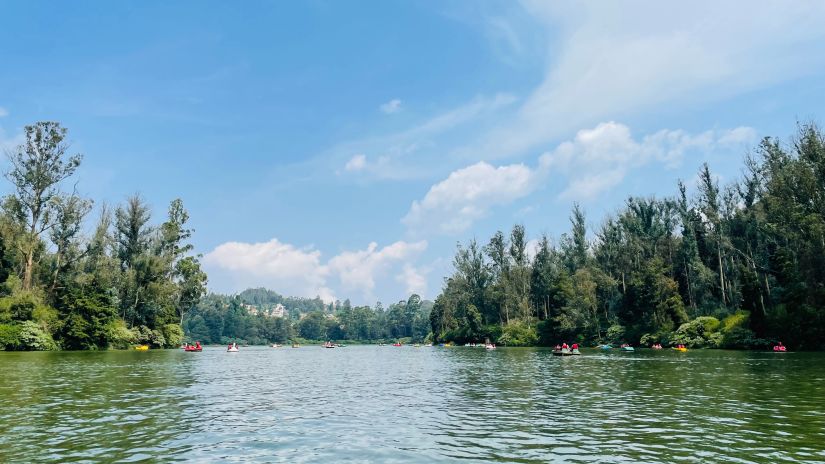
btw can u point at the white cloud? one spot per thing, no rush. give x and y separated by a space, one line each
301 272
739 136
356 163
658 54
357 270
593 162
392 106
273 264
414 279
598 159
452 205
3 112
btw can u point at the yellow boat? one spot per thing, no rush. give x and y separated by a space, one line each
142 347
680 349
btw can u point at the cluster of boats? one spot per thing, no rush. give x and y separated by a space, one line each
559 350
488 345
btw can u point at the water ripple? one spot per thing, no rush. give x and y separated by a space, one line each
387 404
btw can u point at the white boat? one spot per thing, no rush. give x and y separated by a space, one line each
233 348
490 346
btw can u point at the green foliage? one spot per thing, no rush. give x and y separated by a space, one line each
172 335
663 337
252 317
87 312
58 288
33 337
736 320
518 333
10 337
755 246
26 336
615 334
702 332
119 336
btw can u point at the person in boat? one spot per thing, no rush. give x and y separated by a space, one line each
197 345
558 347
575 346
564 346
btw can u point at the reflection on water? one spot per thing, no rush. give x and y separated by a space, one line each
388 404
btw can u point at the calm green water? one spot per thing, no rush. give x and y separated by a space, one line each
387 404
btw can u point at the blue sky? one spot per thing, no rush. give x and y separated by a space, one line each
342 149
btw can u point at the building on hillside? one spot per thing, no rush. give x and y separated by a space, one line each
278 311
251 309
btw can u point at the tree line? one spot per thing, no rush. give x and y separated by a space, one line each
128 282
224 319
739 265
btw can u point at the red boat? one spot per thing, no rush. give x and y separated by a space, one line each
196 347
396 344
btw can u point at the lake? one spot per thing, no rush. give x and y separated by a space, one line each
428 404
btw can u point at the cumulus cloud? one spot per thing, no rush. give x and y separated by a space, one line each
414 279
356 163
598 159
273 264
452 205
301 271
593 162
392 106
357 270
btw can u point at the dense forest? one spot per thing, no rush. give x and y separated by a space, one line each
129 282
740 265
243 318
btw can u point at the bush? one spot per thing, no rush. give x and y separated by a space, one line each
662 337
173 334
33 337
10 337
615 333
518 333
736 320
120 336
743 338
701 332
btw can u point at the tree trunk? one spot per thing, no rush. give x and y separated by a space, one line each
691 301
27 273
721 275
56 272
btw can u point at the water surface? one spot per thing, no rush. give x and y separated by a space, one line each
429 404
